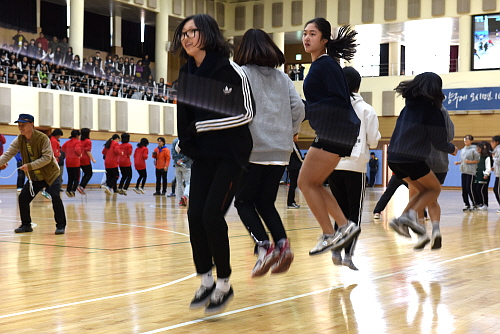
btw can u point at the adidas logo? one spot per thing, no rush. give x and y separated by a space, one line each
227 90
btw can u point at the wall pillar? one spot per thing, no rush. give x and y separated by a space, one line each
77 9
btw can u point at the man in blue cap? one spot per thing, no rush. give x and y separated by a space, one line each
41 167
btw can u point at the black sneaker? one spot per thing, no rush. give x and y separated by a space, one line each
24 229
157 194
201 297
219 300
60 230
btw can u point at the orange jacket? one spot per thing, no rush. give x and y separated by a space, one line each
162 159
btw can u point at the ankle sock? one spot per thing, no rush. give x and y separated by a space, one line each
223 284
435 226
207 279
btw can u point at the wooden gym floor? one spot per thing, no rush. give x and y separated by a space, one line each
124 266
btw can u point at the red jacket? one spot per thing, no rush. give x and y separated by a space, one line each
73 150
86 147
2 141
162 159
56 147
140 157
111 155
124 159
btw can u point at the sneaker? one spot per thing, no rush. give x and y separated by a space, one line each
285 258
24 229
347 261
466 208
19 190
59 231
376 215
201 297
120 191
108 190
81 190
325 243
421 242
498 211
293 206
267 256
67 193
163 193
137 191
157 194
184 201
483 208
219 300
142 191
345 234
337 258
46 194
171 195
405 219
399 228
124 192
436 239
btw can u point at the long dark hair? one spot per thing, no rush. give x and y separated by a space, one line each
211 37
143 143
85 134
108 143
427 85
343 46
257 48
485 148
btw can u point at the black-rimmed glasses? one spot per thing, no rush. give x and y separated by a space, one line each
191 33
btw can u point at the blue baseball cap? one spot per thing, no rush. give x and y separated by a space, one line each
25 118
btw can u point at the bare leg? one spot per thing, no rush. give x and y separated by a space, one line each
317 166
428 188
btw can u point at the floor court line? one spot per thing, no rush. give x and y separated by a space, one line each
249 308
98 299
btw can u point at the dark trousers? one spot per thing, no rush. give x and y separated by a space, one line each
467 189
392 186
293 175
174 184
373 176
55 192
349 189
255 199
496 189
213 185
21 176
161 176
87 175
112 175
481 193
126 177
141 180
73 176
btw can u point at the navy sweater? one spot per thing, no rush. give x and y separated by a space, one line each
419 125
328 104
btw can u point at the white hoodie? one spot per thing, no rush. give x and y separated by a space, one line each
368 137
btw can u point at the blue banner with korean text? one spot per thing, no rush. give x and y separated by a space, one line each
485 98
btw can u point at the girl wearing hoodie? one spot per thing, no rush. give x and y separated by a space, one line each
469 157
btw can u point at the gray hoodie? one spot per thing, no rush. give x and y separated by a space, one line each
468 153
279 111
438 160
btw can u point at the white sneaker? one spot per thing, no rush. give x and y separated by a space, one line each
345 234
401 229
436 239
325 242
137 191
421 242
337 258
376 216
412 223
108 190
142 190
483 208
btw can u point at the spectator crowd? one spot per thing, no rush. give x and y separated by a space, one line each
53 65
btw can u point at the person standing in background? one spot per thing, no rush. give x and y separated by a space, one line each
293 168
469 157
373 165
161 155
495 144
73 150
140 156
125 164
85 160
182 165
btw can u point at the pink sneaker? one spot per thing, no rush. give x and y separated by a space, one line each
285 260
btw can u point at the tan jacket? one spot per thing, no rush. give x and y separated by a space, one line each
42 150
